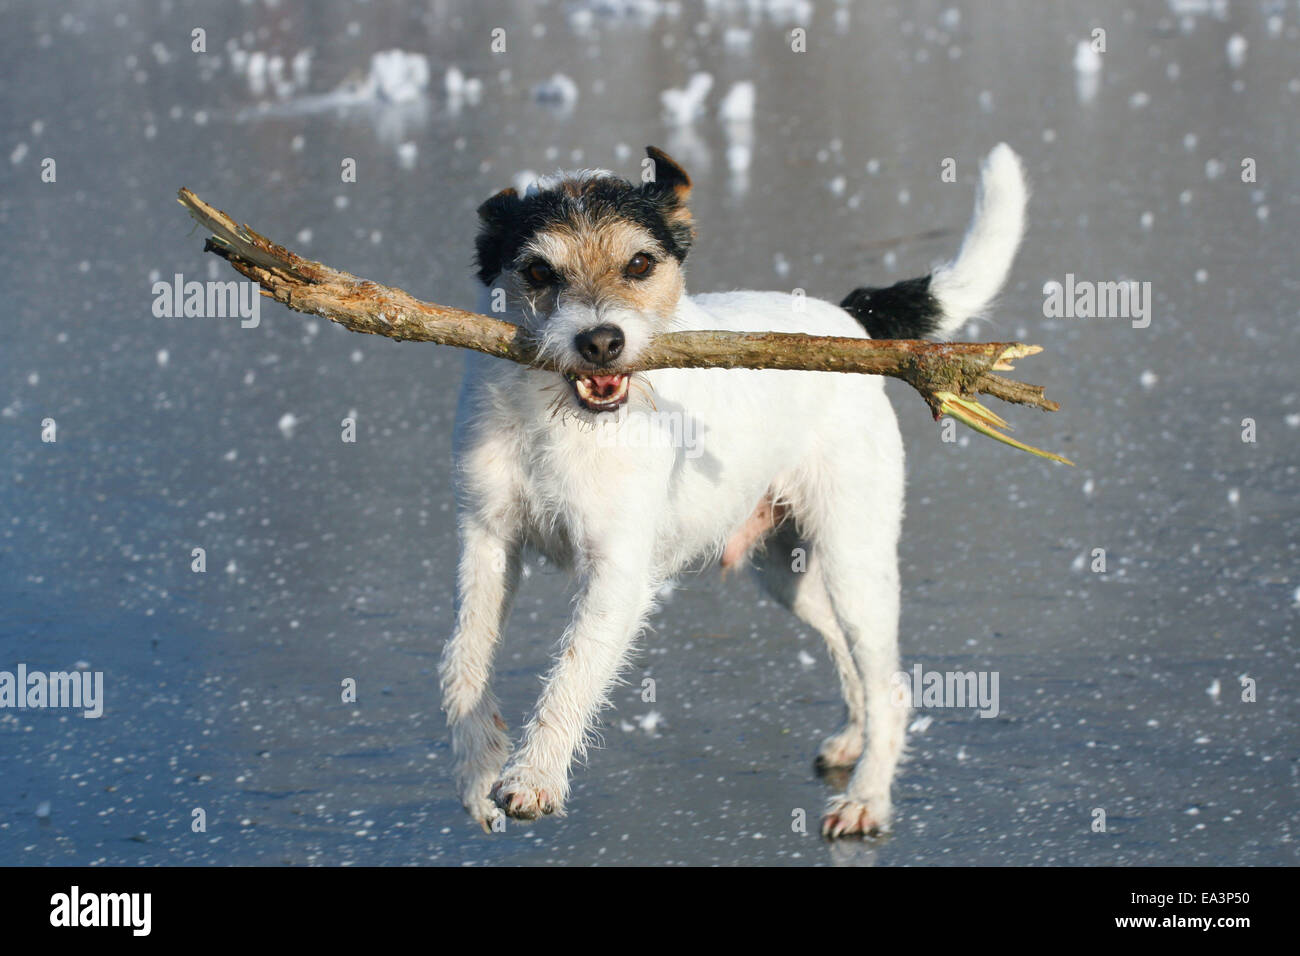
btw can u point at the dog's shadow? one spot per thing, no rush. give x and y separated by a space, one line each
855 851
837 778
692 450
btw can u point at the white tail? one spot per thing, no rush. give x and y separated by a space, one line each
967 285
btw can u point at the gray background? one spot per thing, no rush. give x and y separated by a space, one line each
329 560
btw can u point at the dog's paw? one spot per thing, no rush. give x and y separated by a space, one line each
484 812
524 797
847 817
840 750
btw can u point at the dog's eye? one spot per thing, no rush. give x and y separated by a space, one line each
539 273
639 266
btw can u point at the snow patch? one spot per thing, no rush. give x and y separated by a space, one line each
1236 50
738 105
397 76
559 91
682 106
1086 59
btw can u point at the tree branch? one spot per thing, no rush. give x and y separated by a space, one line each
948 375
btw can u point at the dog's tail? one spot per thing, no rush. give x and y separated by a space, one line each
939 304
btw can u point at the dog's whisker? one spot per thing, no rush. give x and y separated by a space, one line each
645 393
555 405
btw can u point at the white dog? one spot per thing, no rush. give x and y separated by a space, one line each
590 468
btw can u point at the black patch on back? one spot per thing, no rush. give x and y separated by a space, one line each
509 221
904 310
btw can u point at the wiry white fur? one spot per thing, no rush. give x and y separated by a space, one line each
533 469
540 184
627 518
966 286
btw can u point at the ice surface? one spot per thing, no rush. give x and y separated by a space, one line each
327 560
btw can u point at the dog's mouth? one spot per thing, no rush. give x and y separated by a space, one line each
600 393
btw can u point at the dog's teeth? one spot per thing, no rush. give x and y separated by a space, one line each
584 386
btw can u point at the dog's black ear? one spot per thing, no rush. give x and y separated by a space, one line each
666 184
499 217
664 174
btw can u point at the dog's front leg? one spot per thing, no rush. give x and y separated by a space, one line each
488 575
613 605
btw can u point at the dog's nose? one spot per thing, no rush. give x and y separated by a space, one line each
600 345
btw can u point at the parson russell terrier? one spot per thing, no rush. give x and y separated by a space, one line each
592 265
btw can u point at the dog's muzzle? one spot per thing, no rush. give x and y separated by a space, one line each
600 392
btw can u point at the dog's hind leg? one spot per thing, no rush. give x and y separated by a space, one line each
855 521
865 594
789 568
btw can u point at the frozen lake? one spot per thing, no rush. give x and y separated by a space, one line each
1120 690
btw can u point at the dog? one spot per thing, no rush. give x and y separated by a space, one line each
587 467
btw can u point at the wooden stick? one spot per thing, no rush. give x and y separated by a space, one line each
948 375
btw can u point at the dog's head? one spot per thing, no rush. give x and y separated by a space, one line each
592 265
